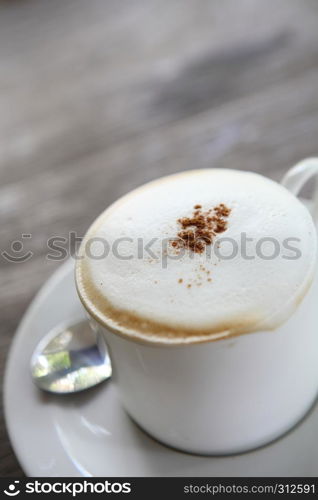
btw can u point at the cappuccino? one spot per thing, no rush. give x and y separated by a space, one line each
196 256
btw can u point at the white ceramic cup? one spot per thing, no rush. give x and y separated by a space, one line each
225 396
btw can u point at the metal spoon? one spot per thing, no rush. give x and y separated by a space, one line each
70 358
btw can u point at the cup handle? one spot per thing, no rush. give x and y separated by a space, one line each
299 175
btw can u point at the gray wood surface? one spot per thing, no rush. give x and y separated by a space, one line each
99 96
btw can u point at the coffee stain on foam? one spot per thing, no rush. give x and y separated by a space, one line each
231 344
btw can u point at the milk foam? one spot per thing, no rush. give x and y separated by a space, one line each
193 297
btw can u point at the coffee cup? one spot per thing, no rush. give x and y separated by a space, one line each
213 352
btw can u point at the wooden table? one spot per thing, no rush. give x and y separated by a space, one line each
99 96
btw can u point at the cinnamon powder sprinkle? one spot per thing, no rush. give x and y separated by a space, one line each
200 230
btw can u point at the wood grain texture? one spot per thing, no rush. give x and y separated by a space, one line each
97 97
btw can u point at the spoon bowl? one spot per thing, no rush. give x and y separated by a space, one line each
70 358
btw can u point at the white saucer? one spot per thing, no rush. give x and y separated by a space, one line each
74 436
